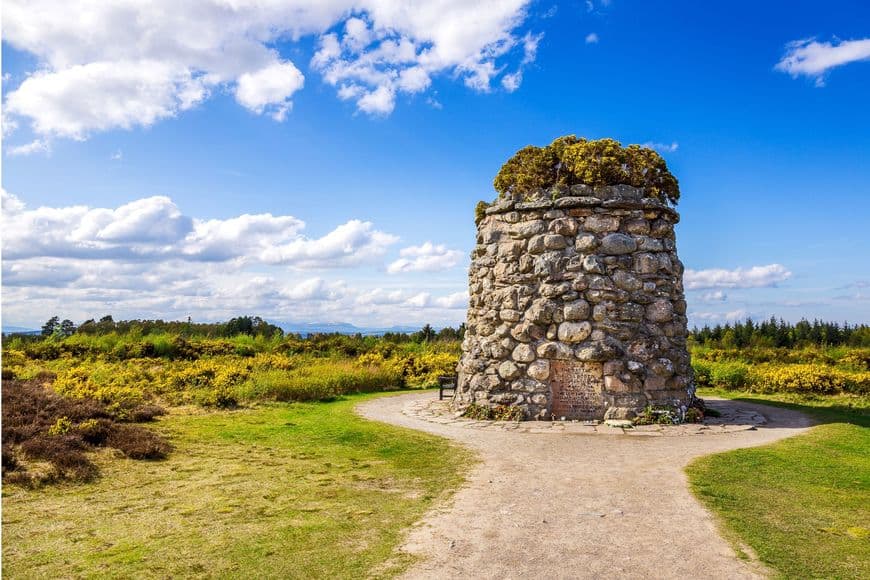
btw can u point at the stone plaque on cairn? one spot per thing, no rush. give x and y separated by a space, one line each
576 389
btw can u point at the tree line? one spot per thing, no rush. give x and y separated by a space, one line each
779 333
248 325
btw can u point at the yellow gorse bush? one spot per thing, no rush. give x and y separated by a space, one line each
416 369
13 359
226 380
120 389
808 378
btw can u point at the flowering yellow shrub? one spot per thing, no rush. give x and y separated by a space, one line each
171 369
814 378
13 359
223 381
808 378
416 369
281 362
61 427
121 389
857 359
207 381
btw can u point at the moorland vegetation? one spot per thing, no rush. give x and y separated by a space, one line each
125 365
81 388
806 358
570 160
260 433
124 370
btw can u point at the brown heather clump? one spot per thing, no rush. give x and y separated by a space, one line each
569 161
46 436
137 442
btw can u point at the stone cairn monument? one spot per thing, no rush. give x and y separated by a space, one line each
576 295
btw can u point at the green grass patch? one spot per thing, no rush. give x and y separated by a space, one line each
295 490
801 504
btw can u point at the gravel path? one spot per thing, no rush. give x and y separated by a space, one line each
545 503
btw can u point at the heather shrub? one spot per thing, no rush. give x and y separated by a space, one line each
46 436
66 455
94 431
145 413
137 442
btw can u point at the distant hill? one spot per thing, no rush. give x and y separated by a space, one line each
19 330
306 328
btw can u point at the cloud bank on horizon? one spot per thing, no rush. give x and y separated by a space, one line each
131 64
146 258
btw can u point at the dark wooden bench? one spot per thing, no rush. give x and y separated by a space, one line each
446 383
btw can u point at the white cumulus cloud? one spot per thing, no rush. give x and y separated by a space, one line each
427 257
315 289
754 277
730 316
150 226
35 146
714 296
456 300
154 228
122 65
226 239
271 87
811 58
10 203
350 243
97 96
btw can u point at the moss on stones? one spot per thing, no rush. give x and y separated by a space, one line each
569 161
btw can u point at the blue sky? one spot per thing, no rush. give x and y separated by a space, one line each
357 137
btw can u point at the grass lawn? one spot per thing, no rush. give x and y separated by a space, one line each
802 504
282 490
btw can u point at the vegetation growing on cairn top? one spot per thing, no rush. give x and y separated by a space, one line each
571 161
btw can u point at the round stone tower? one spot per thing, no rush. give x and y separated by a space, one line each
576 307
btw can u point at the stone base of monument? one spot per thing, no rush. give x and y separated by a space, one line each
732 418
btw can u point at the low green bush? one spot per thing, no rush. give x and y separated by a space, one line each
729 375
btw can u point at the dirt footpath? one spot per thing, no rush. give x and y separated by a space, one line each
577 505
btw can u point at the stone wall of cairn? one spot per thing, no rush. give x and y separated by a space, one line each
577 308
